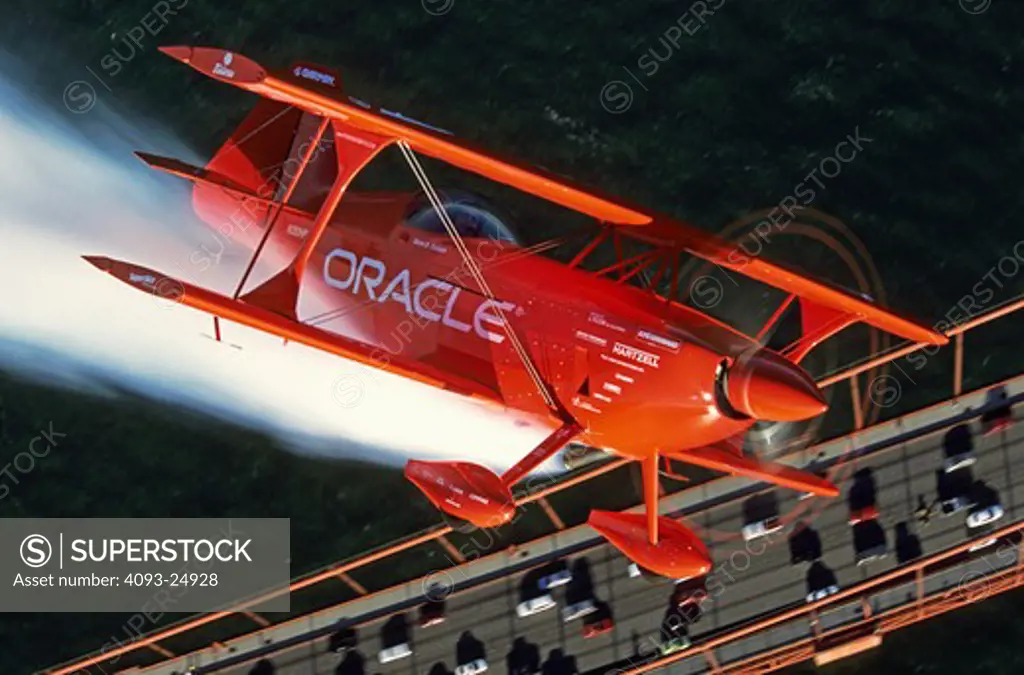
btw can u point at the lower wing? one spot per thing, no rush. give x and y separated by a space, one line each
738 464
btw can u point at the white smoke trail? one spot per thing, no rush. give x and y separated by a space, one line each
69 188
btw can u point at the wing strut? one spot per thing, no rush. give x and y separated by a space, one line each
474 270
569 428
355 149
280 204
651 496
548 447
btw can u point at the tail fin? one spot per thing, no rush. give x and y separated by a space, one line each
281 163
262 156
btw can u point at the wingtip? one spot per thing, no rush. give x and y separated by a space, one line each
178 52
821 487
218 63
101 263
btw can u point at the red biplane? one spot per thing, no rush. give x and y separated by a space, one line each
438 290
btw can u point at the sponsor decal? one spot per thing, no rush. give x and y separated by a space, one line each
613 388
624 378
592 339
599 319
601 397
147 279
315 75
636 354
658 340
222 68
366 276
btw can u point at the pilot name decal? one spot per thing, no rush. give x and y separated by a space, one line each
635 354
368 274
429 245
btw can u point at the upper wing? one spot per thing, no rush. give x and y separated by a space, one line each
247 74
677 235
323 100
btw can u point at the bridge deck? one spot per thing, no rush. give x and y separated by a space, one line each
749 579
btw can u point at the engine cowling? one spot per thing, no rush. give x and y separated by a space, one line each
764 385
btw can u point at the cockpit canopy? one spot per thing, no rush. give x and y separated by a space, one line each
472 216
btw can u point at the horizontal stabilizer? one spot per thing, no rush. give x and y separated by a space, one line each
205 176
196 174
